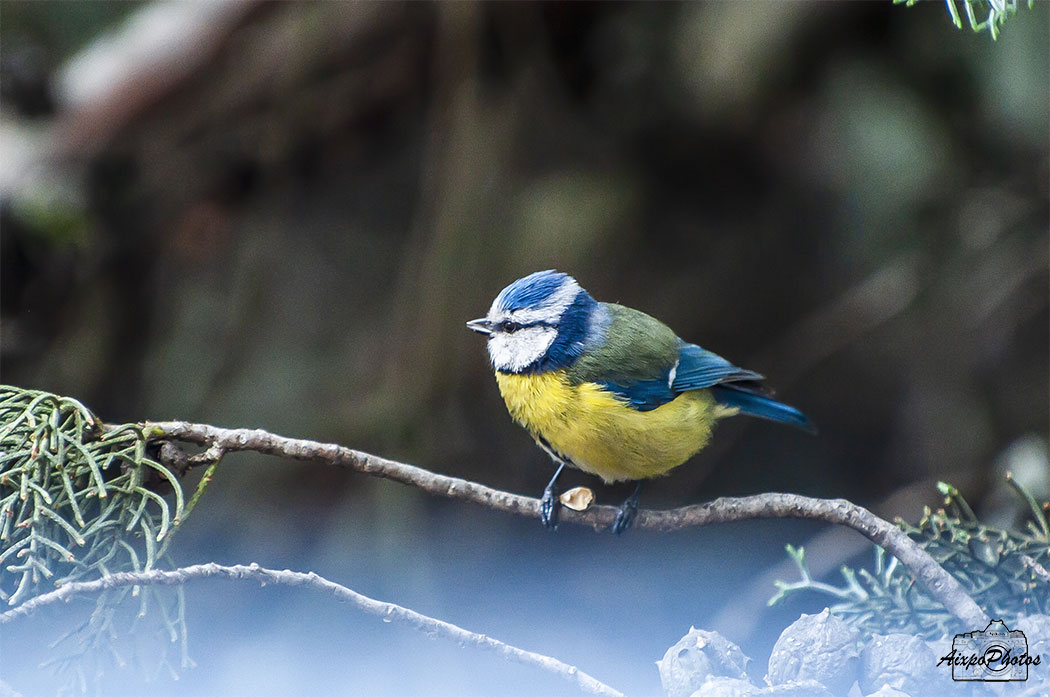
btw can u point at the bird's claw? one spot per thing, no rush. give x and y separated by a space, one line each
628 510
549 508
625 516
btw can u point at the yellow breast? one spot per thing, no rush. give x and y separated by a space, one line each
601 434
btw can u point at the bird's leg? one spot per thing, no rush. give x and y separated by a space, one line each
628 509
549 502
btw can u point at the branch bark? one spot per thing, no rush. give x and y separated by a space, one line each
383 610
941 585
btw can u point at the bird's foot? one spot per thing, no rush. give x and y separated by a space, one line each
549 503
624 516
628 510
549 508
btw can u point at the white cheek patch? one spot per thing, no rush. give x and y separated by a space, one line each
512 353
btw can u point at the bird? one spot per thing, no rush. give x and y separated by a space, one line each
608 389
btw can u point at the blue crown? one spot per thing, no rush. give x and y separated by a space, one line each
531 290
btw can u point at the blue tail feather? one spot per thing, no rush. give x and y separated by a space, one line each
761 406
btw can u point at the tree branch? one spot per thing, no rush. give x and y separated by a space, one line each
940 584
386 611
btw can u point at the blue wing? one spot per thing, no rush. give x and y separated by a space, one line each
699 369
733 387
644 395
694 370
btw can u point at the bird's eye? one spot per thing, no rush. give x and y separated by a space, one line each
509 327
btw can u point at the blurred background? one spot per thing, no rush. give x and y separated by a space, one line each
281 215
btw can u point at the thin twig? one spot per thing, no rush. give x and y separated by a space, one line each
386 611
941 585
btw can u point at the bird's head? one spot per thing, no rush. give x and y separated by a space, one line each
540 322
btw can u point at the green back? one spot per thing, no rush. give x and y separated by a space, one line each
637 347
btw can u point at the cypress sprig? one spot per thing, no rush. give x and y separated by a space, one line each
982 15
1005 571
75 501
78 502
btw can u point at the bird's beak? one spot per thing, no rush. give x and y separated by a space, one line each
481 326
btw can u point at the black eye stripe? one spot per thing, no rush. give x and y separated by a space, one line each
510 326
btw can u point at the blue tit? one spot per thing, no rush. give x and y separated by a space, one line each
610 390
